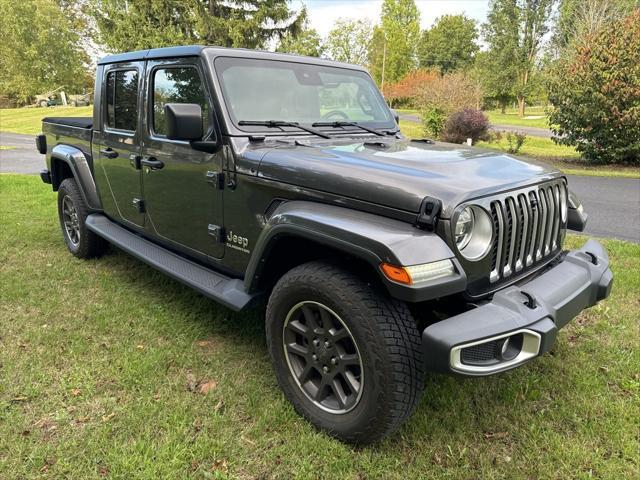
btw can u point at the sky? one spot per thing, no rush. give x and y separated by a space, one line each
324 13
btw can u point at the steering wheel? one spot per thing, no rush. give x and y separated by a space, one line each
335 113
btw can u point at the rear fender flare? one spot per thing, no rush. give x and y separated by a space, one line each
369 237
79 165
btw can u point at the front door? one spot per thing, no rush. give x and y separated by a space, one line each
120 140
182 199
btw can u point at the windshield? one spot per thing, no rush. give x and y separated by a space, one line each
265 90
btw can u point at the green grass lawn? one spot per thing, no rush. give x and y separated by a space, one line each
99 361
537 147
534 117
29 120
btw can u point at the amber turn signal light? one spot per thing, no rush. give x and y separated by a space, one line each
397 274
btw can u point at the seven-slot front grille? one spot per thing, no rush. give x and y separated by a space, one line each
527 228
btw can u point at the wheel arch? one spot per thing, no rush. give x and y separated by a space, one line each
70 162
301 231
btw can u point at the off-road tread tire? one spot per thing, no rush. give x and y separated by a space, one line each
384 328
90 245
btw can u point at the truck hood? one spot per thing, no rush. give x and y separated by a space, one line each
400 174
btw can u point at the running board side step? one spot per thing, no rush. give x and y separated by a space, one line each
227 291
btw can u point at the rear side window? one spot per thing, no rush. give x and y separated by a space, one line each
177 85
122 100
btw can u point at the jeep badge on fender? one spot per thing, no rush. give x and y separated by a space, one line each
283 183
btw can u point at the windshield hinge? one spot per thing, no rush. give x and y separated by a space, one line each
428 215
216 179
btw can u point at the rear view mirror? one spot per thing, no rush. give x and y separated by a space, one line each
184 121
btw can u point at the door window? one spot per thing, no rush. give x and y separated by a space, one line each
177 85
122 100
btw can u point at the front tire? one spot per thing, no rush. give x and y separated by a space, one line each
72 212
347 356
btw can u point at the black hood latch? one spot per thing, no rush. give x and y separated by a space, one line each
428 215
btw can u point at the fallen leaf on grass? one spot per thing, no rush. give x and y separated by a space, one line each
103 471
219 406
206 387
75 392
106 418
19 399
221 466
82 420
495 435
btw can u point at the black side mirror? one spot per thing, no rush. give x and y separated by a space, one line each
184 121
396 117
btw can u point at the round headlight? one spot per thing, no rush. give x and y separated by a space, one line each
473 232
464 228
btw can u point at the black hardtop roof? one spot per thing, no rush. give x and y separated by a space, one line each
197 50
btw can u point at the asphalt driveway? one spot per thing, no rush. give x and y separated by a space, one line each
22 157
613 204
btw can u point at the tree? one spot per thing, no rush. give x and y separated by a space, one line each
450 44
514 32
307 42
578 18
595 92
498 84
409 88
393 50
39 50
349 41
124 25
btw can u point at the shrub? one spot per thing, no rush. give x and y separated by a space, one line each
595 92
451 92
467 123
515 141
433 120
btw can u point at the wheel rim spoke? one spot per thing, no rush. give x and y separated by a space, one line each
351 381
297 349
341 396
310 318
299 328
323 357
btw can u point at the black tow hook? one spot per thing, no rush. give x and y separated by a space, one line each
531 300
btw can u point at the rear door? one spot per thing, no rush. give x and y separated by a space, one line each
120 139
182 199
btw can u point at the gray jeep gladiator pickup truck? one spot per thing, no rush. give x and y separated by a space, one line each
260 178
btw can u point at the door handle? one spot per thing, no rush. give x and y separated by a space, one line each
109 152
152 162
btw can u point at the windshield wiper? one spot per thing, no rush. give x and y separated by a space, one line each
341 123
281 123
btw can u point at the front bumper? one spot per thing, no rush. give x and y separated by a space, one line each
529 315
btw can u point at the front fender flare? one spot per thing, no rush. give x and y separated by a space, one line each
370 237
79 165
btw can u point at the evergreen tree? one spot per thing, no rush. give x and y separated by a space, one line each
124 25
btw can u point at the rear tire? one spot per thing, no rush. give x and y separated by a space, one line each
72 212
365 374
